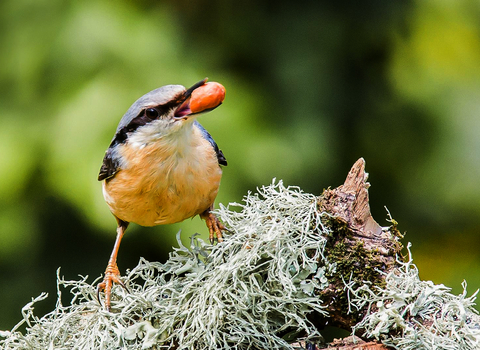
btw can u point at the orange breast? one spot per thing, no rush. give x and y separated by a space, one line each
164 182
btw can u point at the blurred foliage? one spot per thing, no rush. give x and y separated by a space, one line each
310 88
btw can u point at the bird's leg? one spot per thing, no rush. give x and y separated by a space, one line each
215 227
112 274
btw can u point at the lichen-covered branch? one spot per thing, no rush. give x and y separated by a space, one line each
361 250
291 264
376 291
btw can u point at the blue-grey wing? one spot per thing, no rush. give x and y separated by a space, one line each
209 138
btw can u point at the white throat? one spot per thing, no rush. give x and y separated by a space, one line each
178 133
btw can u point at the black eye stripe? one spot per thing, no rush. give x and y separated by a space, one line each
146 116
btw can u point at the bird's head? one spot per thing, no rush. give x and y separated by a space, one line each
166 111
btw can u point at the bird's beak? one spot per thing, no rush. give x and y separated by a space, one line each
183 111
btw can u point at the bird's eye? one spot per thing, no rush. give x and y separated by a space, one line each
151 113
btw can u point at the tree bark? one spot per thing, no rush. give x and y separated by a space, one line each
364 253
359 246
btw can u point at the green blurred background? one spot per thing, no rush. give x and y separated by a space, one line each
310 89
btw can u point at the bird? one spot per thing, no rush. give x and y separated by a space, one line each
162 166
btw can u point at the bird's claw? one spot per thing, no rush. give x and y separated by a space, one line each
112 275
215 227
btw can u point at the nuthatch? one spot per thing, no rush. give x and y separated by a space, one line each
162 166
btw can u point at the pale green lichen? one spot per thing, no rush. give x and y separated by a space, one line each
253 291
256 290
409 313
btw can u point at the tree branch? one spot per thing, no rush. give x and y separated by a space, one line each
292 264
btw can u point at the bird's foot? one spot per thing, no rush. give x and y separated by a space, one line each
215 227
112 275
